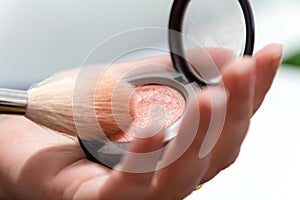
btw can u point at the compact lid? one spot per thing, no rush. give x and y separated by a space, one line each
199 29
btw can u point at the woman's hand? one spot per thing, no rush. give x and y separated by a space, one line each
37 163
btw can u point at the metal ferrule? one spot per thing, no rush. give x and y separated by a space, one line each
13 101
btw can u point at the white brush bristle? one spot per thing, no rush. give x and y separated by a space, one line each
92 112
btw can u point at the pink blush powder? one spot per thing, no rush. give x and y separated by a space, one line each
144 98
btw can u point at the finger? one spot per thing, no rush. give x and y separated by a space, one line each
132 177
238 78
239 81
181 162
212 56
144 153
208 63
268 60
220 56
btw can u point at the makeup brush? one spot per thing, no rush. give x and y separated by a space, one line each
99 102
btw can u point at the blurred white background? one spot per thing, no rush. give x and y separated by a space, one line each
39 38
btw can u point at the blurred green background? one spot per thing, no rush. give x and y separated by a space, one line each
293 60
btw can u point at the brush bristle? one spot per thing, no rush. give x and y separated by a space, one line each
79 106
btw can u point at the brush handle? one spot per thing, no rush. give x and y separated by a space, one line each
13 101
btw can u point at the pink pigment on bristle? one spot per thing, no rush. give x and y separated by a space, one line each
143 99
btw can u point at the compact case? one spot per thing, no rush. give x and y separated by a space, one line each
110 153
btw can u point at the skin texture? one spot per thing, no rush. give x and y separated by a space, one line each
37 163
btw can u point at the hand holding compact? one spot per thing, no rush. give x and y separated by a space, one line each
37 163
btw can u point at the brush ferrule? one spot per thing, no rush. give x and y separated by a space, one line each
13 101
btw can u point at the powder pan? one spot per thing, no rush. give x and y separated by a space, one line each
109 153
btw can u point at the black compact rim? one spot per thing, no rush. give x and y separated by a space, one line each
176 41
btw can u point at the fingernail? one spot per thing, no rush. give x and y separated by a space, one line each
246 65
277 52
247 76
